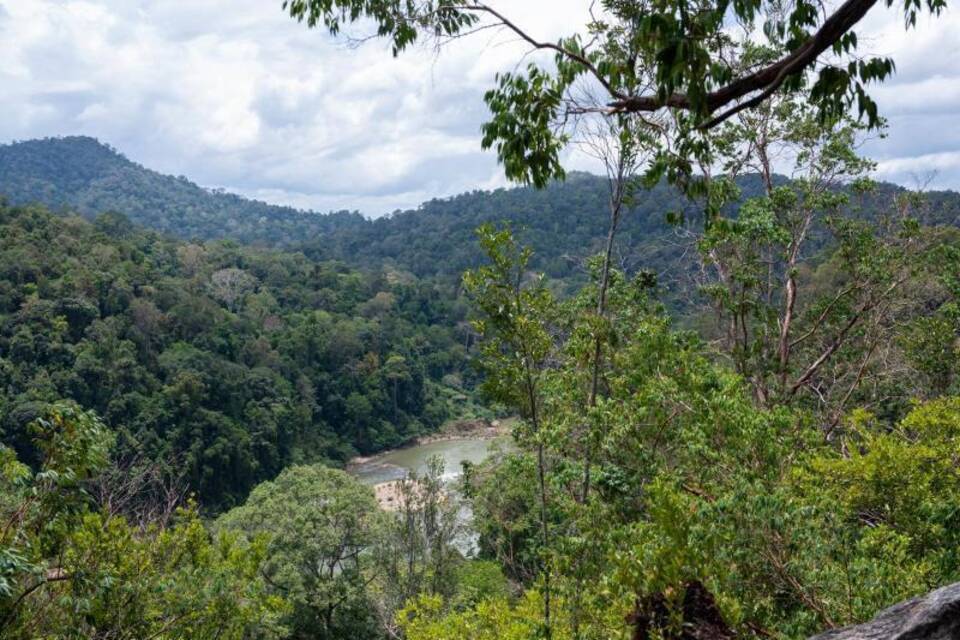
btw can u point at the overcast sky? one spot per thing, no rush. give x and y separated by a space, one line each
234 94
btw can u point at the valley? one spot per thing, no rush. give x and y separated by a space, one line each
628 319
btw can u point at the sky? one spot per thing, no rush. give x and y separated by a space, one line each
234 94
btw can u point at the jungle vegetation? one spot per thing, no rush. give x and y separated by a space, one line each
773 457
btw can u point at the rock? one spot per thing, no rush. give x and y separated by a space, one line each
935 616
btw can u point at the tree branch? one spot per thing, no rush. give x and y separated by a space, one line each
840 338
11 611
576 57
768 79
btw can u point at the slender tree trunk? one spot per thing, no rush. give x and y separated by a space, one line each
785 327
542 481
617 195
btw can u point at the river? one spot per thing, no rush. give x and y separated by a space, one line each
382 470
396 464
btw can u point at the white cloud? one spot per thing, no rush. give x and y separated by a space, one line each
236 94
921 101
931 170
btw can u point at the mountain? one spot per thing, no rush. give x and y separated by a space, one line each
85 175
564 223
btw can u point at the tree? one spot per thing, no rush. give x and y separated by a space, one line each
794 330
702 494
418 554
515 355
504 499
395 370
322 526
70 571
231 286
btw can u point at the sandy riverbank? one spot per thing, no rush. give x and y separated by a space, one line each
387 494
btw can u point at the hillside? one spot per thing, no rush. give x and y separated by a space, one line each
231 362
564 223
84 175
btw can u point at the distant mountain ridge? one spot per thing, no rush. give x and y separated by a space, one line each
90 177
564 223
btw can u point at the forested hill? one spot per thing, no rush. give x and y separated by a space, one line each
228 361
85 175
564 223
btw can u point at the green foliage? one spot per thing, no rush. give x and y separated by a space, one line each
903 482
492 619
396 20
697 485
523 108
68 571
479 580
814 283
437 239
320 526
788 533
514 306
73 443
179 582
514 355
228 363
503 495
930 344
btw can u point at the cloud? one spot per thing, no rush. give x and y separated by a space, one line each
233 93
921 101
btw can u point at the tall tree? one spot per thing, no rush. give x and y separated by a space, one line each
515 356
795 330
321 525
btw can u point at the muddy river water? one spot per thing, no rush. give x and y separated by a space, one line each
396 464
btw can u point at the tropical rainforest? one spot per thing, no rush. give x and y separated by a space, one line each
232 362
731 364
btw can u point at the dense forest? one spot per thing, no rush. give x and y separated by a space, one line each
139 369
728 369
231 361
